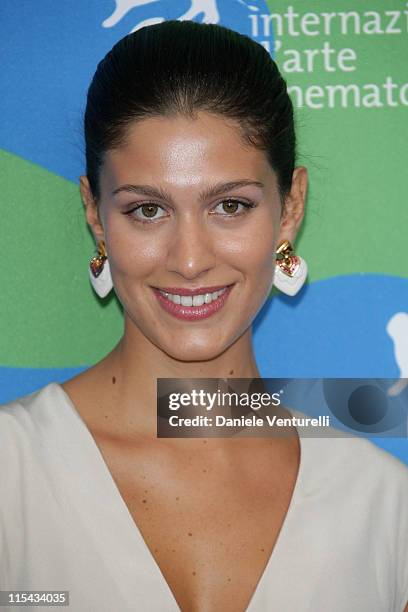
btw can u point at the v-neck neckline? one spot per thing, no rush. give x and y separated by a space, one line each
131 529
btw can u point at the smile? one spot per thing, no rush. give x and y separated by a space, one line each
192 304
197 299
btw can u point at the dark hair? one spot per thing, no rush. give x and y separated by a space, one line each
180 67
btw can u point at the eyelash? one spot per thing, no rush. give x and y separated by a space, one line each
247 206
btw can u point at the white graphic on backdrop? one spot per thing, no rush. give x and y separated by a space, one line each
208 8
397 329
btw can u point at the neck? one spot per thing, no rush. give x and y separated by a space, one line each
131 369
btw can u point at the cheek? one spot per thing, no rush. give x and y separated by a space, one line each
251 250
133 253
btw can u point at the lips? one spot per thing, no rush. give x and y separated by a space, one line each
192 304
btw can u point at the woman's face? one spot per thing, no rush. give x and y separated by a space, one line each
187 210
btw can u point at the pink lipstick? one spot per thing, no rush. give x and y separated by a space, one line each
192 304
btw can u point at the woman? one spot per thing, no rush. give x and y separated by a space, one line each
191 191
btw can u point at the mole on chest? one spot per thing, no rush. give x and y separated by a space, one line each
210 527
211 549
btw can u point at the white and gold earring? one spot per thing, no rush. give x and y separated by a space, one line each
99 271
290 269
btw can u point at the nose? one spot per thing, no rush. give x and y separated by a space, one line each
191 252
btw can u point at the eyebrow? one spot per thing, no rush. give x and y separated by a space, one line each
215 190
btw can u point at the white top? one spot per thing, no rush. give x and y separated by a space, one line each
343 546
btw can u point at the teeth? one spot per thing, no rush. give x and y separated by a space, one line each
193 300
198 300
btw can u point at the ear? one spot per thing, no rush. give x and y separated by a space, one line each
91 208
294 208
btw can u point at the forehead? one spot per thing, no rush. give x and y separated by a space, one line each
181 149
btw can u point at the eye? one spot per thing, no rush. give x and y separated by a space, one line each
146 212
232 207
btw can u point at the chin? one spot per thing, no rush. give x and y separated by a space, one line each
190 351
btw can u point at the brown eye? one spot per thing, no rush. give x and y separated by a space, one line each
229 206
232 208
147 213
149 210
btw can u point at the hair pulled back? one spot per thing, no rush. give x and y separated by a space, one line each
181 67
